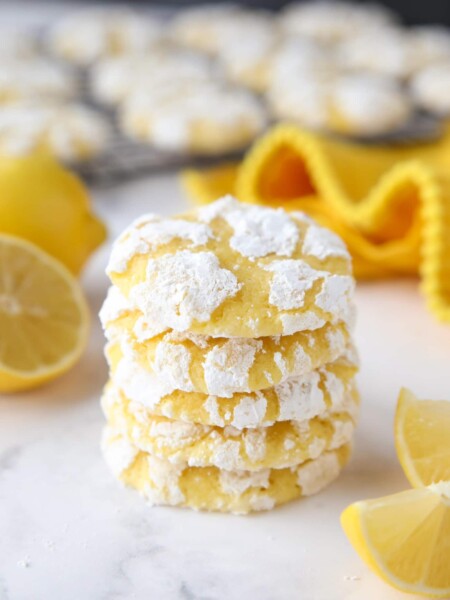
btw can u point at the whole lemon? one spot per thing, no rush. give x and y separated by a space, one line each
44 203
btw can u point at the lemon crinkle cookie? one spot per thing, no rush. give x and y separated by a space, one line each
363 104
220 366
209 488
22 79
201 27
94 33
232 366
359 104
430 88
283 444
295 398
70 132
330 21
204 117
384 52
115 79
234 270
245 50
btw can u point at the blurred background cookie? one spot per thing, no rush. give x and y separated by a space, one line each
85 36
113 80
366 104
430 89
333 21
68 131
37 78
200 117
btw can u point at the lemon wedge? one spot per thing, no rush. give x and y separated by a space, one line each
44 318
405 538
422 439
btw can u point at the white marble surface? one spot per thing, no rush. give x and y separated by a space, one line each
69 532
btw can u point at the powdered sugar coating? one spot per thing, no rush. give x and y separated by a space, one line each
252 253
121 453
164 477
170 115
300 398
172 364
69 131
335 294
291 280
227 367
114 306
323 243
183 287
299 322
237 482
229 448
317 473
91 33
148 233
260 231
236 491
297 398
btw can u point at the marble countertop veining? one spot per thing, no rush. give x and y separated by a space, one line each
68 531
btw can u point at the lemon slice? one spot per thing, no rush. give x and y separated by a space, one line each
405 538
44 318
422 439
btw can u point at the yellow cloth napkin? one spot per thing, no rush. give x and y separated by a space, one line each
391 204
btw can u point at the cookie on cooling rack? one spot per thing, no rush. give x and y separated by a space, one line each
71 132
114 79
34 79
246 48
430 89
430 44
203 117
357 104
90 34
199 28
330 21
385 51
365 105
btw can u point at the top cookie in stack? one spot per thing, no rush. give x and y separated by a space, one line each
233 270
232 367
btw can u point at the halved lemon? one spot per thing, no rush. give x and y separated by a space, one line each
44 318
422 439
405 538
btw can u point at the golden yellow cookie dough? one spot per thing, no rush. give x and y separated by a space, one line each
220 366
209 488
281 445
233 270
297 398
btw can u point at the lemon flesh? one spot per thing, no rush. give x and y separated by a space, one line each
422 439
44 319
405 538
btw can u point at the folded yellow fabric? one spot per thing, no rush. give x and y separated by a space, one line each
391 204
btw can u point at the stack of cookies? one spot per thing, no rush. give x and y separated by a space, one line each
232 364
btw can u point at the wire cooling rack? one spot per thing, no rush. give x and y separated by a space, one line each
126 159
